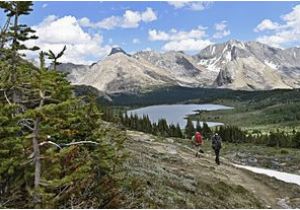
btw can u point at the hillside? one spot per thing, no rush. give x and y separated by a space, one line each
164 173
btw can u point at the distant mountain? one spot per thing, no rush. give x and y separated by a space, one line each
180 67
121 72
252 65
234 65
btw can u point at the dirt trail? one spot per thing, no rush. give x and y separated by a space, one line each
270 192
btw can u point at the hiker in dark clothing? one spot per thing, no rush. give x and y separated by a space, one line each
217 145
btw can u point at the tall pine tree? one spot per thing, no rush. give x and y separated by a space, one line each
189 129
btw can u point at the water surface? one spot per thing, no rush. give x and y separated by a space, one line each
176 113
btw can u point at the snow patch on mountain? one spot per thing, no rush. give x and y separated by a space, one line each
270 64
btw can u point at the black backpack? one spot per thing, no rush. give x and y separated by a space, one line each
216 142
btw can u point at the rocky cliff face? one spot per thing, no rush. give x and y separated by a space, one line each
233 64
251 65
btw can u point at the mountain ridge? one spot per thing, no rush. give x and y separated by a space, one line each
233 64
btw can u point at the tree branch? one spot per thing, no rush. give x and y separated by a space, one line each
80 142
8 101
26 123
50 142
68 144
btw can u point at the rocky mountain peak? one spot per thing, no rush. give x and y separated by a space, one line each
233 64
116 50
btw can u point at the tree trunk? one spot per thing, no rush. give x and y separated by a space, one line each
4 33
37 162
14 59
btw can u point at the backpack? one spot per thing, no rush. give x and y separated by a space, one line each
198 138
216 142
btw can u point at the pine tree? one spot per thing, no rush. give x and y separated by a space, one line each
206 131
155 130
163 127
55 151
296 140
189 129
42 60
54 57
178 131
172 130
198 127
15 35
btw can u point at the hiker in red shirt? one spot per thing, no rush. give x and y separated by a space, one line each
198 141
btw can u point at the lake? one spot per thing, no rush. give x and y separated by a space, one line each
176 113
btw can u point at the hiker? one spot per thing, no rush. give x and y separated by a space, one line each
217 145
198 141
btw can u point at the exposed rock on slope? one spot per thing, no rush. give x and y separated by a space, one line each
183 68
251 65
120 72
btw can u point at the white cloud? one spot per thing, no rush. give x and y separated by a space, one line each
82 47
187 45
155 35
174 35
149 15
266 24
107 23
221 26
130 19
193 40
44 5
136 41
282 35
191 5
221 30
177 4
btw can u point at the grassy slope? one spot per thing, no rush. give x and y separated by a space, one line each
256 115
164 173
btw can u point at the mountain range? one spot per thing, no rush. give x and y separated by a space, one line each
234 64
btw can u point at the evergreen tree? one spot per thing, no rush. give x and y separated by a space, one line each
54 152
15 36
155 130
54 57
198 127
178 131
206 131
189 129
172 130
42 60
296 140
163 127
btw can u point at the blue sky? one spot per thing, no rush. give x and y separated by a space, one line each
160 26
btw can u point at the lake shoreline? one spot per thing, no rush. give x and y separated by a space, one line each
177 113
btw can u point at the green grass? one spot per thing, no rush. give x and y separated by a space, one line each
256 116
